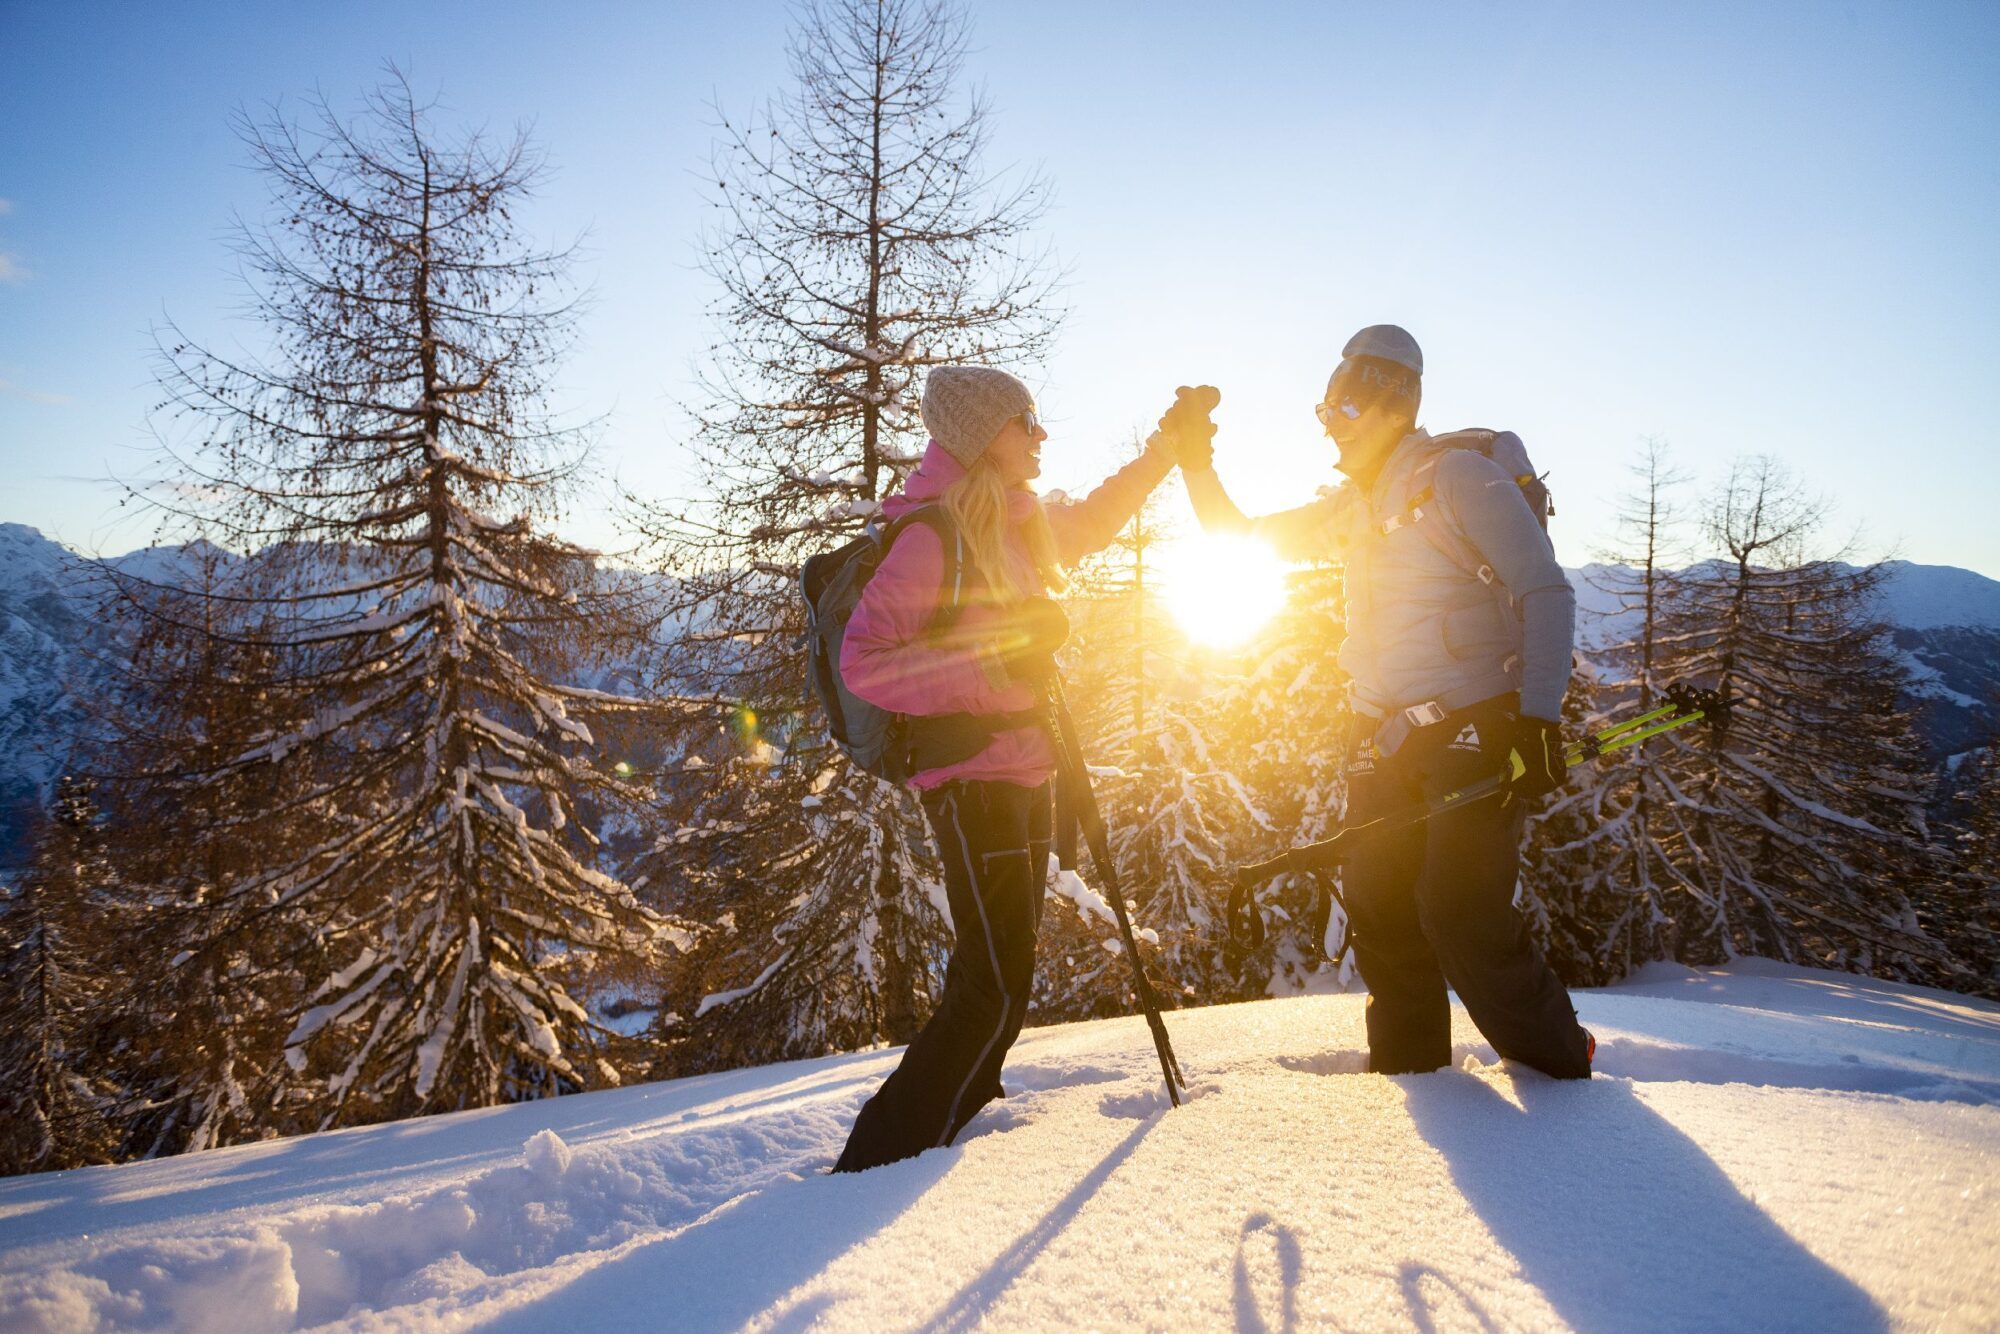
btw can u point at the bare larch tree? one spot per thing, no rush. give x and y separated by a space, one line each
1808 836
859 243
1601 877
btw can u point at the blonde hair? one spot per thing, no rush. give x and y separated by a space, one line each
977 504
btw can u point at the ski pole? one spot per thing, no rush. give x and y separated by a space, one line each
1094 833
1685 704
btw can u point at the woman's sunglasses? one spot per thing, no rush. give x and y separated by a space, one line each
1030 422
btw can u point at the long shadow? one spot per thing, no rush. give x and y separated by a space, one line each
1412 1277
970 1303
1944 1014
1291 1267
719 1274
1621 1220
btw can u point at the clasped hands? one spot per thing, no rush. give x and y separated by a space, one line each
1186 432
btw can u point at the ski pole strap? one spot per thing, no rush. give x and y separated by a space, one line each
1246 923
1240 916
1325 895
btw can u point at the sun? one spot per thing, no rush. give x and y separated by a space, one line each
1222 588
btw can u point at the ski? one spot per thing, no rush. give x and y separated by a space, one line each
1685 704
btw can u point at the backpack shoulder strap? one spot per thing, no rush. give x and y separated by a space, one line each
1421 511
951 590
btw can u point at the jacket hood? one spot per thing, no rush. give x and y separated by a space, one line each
938 471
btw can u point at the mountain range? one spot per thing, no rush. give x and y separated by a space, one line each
1945 624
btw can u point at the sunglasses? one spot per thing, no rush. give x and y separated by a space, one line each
1346 407
1031 422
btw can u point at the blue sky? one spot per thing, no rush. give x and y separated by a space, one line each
1762 227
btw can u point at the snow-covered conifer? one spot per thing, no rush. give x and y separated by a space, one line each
1157 722
1290 714
397 796
1970 919
57 1104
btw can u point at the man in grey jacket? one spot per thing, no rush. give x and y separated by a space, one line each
1459 627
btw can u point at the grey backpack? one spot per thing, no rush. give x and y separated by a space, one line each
892 746
1507 451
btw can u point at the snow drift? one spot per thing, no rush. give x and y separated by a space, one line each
1764 1147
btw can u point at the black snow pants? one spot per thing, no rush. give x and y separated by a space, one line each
1433 905
994 839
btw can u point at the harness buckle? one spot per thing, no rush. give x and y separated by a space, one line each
1425 714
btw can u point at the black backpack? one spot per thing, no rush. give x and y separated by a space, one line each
891 746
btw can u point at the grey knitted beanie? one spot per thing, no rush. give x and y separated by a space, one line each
965 406
1386 342
1381 359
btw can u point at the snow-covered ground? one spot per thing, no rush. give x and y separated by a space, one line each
1764 1147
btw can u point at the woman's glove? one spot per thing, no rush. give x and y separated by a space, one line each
1538 747
1185 428
1036 629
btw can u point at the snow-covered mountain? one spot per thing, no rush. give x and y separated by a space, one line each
50 635
1763 1147
1945 622
43 627
1947 619
1912 597
51 638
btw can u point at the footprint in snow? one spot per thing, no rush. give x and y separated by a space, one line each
1137 1106
1469 1056
1035 1078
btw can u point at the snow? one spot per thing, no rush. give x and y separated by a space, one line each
1915 597
1089 903
1925 597
1764 1147
1926 680
713 999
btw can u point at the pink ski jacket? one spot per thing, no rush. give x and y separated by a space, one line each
889 659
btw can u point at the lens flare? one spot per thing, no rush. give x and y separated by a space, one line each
1221 588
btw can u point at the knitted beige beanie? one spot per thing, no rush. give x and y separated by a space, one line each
965 406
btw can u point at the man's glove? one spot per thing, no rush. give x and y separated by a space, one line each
1187 430
1035 630
1537 762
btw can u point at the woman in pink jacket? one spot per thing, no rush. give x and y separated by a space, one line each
990 813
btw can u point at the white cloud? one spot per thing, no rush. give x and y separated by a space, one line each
35 395
6 206
11 270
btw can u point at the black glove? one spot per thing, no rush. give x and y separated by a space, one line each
1537 762
1035 631
1186 427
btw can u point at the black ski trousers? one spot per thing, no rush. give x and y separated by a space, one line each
994 839
1433 905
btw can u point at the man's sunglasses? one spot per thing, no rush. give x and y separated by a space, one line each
1346 407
